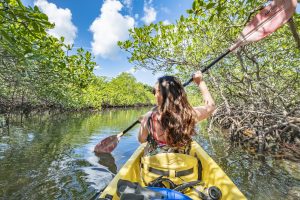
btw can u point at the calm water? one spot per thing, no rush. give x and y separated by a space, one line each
50 156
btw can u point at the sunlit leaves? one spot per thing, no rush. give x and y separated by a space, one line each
212 26
35 65
208 9
125 90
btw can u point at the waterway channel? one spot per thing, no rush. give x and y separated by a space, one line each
50 156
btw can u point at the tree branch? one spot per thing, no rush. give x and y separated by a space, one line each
293 29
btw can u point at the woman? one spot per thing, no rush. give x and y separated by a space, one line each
170 126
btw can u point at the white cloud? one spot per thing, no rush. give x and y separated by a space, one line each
166 22
136 16
109 28
150 14
62 19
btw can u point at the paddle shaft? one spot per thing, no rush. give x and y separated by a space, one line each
209 66
127 129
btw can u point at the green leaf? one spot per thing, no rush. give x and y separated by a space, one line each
210 5
181 18
200 2
36 9
190 11
211 18
20 4
194 5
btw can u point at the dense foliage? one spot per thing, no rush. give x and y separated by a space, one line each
38 69
257 88
122 90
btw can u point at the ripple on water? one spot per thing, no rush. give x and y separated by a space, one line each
30 137
292 168
97 177
3 148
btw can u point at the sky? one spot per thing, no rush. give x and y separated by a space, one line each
97 26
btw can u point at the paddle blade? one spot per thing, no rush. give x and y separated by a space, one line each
268 20
107 145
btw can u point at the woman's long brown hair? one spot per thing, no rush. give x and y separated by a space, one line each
177 115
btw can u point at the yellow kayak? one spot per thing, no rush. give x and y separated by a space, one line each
212 175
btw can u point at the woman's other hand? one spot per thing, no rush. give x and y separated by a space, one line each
197 77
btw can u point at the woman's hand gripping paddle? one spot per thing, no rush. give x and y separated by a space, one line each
267 21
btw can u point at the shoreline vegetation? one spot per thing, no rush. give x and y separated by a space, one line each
121 92
111 95
27 109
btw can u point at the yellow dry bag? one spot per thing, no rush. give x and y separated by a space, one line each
179 168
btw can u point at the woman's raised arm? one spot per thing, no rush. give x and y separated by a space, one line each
208 108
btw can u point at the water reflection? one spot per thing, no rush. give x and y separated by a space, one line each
51 157
258 177
106 159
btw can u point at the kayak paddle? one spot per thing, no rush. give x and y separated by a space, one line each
267 21
110 143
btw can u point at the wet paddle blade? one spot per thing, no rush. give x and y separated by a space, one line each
107 145
110 143
267 21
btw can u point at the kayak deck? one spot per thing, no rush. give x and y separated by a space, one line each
212 175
